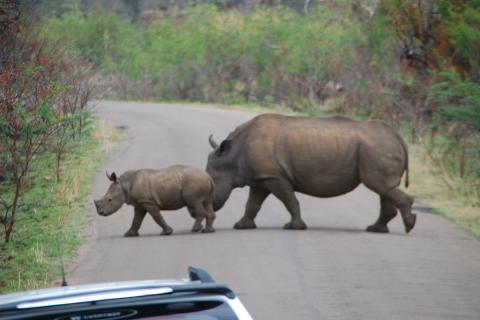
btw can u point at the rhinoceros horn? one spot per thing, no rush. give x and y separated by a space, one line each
212 142
112 177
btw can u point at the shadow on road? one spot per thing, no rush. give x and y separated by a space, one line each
279 229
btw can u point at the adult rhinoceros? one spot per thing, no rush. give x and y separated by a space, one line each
322 157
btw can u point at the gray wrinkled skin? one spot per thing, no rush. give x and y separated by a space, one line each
321 157
150 191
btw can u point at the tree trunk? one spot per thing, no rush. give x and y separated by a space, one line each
59 159
461 164
8 231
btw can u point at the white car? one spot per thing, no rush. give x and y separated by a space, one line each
198 297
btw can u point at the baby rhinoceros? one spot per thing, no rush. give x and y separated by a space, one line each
153 190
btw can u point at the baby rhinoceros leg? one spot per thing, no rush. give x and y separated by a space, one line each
136 222
210 216
197 226
157 217
202 210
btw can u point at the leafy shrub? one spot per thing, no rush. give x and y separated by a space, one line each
209 55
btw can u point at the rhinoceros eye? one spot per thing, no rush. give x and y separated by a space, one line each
109 200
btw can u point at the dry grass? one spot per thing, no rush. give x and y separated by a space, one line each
107 136
433 187
70 187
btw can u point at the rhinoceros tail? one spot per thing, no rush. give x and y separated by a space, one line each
407 182
405 149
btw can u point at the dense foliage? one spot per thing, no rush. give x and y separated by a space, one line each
208 55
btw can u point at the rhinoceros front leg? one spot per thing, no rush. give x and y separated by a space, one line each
283 190
255 200
157 217
136 222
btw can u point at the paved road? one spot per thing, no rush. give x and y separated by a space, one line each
334 270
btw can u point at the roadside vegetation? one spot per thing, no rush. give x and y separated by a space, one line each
49 148
53 213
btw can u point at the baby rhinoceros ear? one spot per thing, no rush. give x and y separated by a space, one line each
112 177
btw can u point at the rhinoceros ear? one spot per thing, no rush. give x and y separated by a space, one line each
112 177
225 146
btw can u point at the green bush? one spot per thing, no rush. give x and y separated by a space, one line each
103 39
458 100
462 25
210 55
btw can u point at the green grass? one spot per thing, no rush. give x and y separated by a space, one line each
53 211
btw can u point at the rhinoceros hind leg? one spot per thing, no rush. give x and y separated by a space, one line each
410 222
202 210
377 228
387 213
403 202
295 225
209 225
197 226
210 217
208 230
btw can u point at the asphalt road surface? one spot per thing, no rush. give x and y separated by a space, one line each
333 270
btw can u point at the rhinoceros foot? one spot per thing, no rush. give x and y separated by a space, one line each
131 233
295 225
245 224
197 227
378 228
410 222
166 232
208 230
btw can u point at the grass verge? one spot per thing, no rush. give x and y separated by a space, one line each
53 211
433 188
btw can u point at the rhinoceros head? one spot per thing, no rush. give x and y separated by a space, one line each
113 200
221 168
